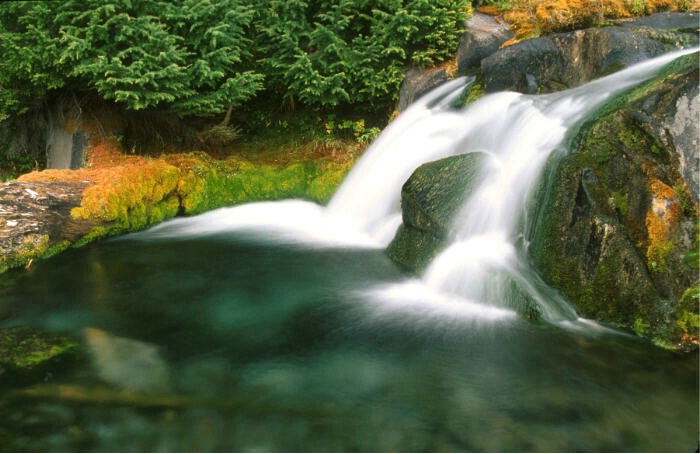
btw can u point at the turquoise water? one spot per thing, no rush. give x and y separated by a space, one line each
273 348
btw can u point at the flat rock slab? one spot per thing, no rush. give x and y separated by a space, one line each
665 21
37 215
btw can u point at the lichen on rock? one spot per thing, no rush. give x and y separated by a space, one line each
617 226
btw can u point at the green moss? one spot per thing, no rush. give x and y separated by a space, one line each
640 327
413 250
56 249
620 202
476 90
692 258
23 348
232 182
667 78
658 255
33 246
324 178
132 197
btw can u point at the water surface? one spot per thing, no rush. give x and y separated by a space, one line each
275 347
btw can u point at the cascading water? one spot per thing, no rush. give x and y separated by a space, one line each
483 263
484 268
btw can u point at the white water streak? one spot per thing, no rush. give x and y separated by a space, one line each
518 132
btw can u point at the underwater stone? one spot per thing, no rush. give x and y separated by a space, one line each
27 352
127 364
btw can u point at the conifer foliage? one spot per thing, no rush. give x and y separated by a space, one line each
202 57
332 52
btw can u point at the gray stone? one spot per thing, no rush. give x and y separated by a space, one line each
566 60
35 216
417 83
483 36
612 233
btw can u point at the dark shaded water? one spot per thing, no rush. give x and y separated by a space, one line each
271 350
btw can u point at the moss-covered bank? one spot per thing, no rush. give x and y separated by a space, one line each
129 193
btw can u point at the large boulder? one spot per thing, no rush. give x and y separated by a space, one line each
417 83
618 234
483 36
617 228
565 60
430 199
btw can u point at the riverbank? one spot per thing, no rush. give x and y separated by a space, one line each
49 211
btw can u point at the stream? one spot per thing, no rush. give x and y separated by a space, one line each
273 348
283 326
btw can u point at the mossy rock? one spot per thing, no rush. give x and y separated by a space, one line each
430 200
413 249
616 228
28 354
71 208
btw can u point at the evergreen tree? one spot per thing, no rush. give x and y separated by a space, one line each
29 47
333 52
202 58
189 55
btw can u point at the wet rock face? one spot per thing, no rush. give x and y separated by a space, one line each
417 83
618 231
566 60
36 216
482 37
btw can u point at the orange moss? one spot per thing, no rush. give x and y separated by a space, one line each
662 222
523 23
560 15
132 196
102 154
491 10
105 152
531 18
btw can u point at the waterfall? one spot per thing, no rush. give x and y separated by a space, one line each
485 263
484 268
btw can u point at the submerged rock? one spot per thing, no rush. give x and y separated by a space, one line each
29 354
127 364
